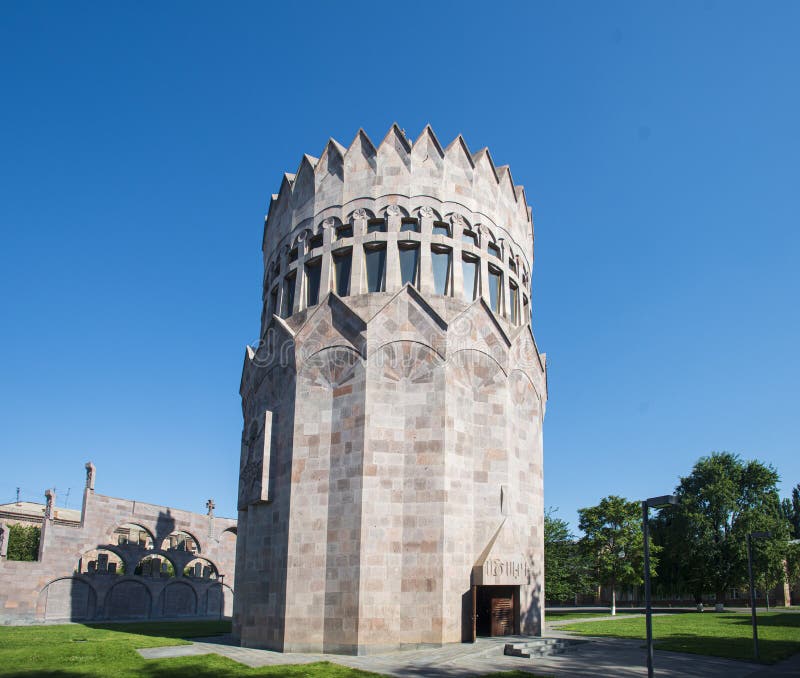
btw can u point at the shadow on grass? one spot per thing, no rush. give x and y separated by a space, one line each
214 669
173 629
771 651
789 619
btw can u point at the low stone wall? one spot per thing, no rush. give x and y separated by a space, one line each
151 580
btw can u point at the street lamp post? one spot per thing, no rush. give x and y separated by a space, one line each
750 537
647 504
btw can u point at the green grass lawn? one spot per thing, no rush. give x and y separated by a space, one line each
559 616
109 650
721 635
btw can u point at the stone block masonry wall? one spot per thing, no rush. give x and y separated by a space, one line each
73 578
392 452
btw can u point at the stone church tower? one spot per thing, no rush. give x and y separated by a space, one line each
390 490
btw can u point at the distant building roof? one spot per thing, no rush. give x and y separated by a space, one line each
32 510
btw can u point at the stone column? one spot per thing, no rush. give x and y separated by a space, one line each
426 285
393 220
325 277
505 309
300 271
457 230
47 521
484 265
357 282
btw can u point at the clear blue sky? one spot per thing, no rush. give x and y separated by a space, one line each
139 144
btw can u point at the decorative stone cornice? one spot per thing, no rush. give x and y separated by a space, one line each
363 175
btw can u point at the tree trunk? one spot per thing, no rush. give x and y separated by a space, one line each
613 598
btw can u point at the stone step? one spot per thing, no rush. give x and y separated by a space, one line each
540 647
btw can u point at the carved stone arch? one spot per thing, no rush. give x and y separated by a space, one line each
524 356
204 562
407 361
120 552
219 600
487 232
129 598
522 391
227 539
331 367
68 599
428 212
327 224
360 213
181 530
301 237
178 599
458 220
394 210
476 370
149 531
163 554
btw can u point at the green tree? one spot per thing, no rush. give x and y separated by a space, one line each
791 511
23 542
567 571
614 542
721 500
793 562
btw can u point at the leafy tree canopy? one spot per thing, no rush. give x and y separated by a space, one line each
23 542
791 511
613 539
721 500
567 570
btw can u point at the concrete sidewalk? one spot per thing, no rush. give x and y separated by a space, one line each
601 657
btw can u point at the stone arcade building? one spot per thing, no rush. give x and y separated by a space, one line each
117 559
390 489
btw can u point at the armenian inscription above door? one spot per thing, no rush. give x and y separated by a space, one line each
502 571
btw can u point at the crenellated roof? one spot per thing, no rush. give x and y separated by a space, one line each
398 170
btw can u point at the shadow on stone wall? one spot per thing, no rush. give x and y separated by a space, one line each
132 580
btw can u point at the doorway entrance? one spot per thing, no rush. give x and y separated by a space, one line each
496 610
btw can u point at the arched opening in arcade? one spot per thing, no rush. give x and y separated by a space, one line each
100 561
181 541
133 534
200 568
155 566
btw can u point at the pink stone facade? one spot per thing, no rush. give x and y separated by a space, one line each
392 448
72 580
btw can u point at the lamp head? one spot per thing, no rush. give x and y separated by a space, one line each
662 501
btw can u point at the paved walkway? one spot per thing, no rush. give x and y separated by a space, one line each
601 657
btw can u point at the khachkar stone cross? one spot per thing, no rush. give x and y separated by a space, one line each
50 497
90 473
210 505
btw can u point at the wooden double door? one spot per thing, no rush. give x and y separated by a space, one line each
496 610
